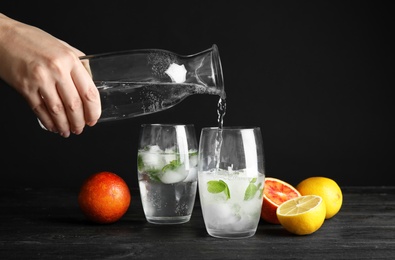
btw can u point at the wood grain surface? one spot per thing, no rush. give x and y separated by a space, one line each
47 224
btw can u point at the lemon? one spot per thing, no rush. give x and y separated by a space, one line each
327 189
302 215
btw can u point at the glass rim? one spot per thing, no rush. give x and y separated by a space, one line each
112 54
166 124
228 128
123 53
219 78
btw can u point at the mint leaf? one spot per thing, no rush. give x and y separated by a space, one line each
217 187
172 165
261 193
140 163
252 189
193 153
153 174
227 191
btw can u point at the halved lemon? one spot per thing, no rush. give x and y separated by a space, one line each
302 215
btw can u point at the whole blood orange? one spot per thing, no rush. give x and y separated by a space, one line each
104 197
276 192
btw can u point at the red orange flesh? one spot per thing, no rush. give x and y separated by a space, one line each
276 192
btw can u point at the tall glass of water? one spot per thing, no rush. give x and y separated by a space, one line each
231 179
167 172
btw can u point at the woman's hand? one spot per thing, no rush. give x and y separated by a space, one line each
47 72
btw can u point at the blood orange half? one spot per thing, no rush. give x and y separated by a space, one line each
276 192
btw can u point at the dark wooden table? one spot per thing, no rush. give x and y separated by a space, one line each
47 224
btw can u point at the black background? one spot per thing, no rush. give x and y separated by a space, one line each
314 75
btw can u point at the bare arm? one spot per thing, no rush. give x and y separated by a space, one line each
49 75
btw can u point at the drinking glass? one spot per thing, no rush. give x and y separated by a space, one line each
231 179
167 172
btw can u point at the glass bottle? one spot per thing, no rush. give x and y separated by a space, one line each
140 82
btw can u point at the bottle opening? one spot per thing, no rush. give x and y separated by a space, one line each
217 67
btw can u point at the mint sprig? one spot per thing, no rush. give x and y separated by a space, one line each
153 173
218 187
